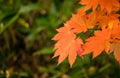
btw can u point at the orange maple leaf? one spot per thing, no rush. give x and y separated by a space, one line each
81 21
77 22
98 43
115 31
103 20
104 4
67 45
116 50
115 35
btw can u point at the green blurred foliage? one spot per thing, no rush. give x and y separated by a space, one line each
26 48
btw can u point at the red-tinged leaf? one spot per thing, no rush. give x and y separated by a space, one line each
98 43
76 46
67 45
80 51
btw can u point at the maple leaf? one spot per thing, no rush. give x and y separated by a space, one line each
77 22
104 4
116 50
115 30
89 4
115 35
109 5
98 43
103 20
67 45
81 21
